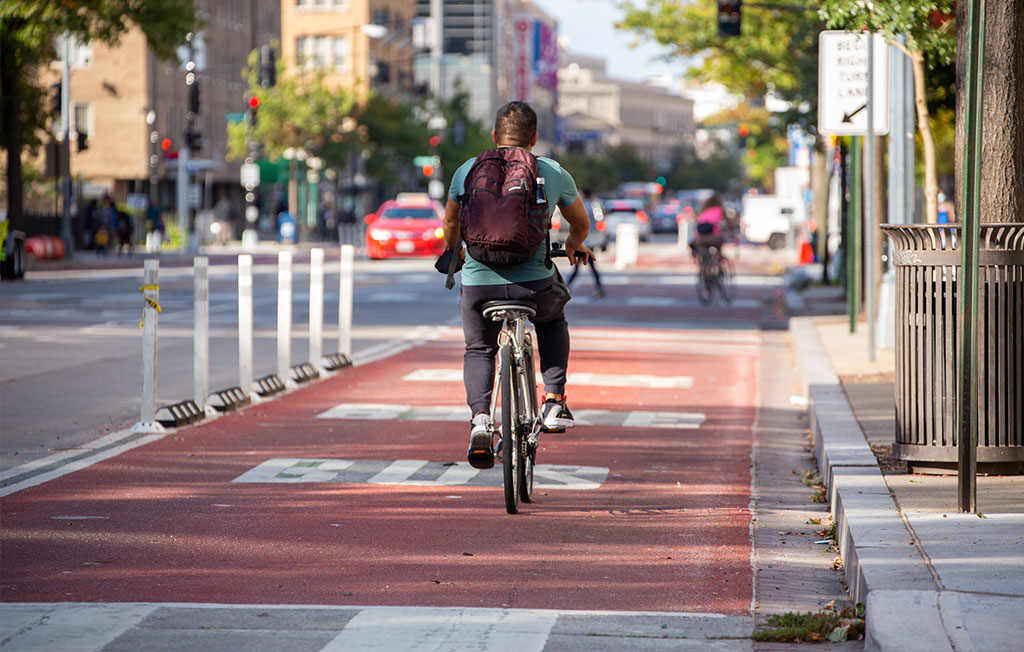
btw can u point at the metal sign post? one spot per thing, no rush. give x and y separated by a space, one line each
967 347
870 255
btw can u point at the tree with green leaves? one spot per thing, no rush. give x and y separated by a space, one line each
777 54
27 32
300 116
930 39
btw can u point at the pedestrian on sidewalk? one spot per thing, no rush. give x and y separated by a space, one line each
588 202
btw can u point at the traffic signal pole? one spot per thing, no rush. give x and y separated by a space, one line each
65 152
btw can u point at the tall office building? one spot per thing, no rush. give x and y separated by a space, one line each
496 51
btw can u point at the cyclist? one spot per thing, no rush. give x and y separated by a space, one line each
515 126
709 226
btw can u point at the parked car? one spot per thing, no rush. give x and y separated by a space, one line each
409 225
626 211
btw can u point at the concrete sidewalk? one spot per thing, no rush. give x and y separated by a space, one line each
931 578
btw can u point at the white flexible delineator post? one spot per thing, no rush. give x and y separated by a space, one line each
316 306
201 334
245 323
284 316
346 286
627 245
151 295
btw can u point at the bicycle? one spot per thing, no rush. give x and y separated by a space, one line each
716 274
514 401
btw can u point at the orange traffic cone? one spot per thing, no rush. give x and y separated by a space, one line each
806 253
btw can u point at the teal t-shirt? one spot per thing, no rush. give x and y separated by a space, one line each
559 189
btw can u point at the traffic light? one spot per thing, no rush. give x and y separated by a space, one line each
56 91
251 114
193 140
428 171
83 140
165 145
268 66
729 17
435 141
744 132
192 80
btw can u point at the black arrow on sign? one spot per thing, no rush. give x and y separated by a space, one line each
847 116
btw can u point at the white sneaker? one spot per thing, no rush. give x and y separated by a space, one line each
481 447
555 416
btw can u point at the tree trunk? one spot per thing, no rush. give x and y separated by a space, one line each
924 125
10 73
1002 135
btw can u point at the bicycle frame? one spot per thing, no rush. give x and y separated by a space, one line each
515 333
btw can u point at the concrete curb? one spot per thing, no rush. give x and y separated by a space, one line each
884 568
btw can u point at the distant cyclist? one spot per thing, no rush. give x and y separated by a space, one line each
710 221
500 204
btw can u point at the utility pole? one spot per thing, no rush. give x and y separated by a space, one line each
870 255
436 47
65 152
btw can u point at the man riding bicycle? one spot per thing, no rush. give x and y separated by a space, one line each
535 278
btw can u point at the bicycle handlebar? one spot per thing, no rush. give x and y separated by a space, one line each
558 251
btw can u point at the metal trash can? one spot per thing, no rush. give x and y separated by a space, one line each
927 260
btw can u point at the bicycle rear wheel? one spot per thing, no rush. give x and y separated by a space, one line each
726 282
528 426
509 431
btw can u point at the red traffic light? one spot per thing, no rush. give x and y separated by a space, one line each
744 131
165 144
428 170
435 141
254 102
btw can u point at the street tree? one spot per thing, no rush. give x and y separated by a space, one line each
930 40
777 55
27 32
301 116
1002 136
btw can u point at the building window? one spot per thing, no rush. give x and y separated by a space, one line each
340 51
83 119
303 50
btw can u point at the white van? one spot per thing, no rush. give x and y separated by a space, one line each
768 220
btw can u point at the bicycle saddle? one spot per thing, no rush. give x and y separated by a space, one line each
499 308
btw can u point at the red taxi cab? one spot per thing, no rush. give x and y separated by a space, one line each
409 225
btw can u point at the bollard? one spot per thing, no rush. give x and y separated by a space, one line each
284 315
245 323
151 293
316 306
627 245
201 331
345 291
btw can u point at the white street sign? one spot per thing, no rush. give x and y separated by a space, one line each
250 174
842 83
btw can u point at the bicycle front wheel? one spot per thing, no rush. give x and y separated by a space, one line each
509 432
528 425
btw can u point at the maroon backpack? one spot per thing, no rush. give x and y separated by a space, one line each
504 217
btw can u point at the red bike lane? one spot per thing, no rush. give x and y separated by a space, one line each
665 529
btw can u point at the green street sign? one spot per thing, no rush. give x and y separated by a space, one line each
235 118
420 161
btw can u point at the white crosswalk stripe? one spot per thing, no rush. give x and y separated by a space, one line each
631 419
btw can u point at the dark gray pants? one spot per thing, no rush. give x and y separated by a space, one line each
481 335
